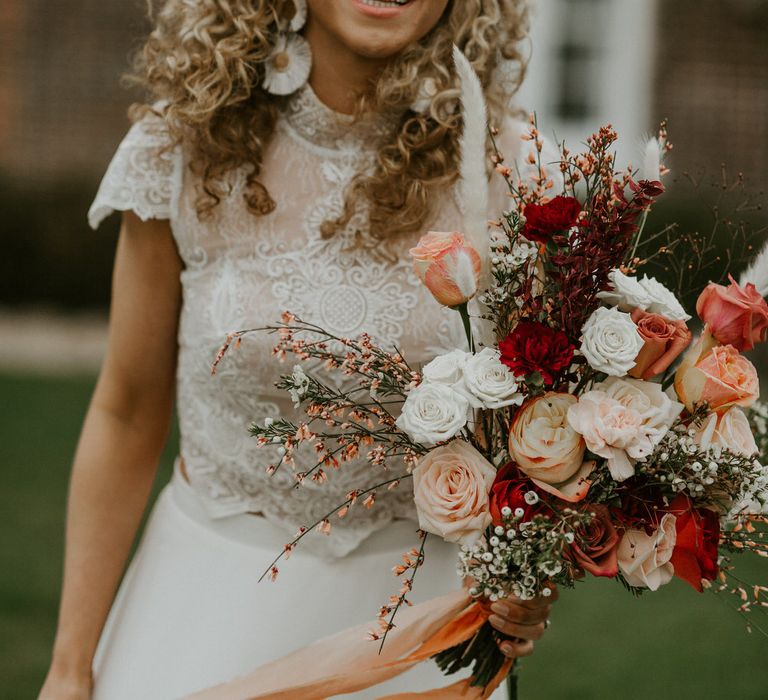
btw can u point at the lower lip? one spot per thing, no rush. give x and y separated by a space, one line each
382 12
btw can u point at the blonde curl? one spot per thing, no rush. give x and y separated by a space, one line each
205 61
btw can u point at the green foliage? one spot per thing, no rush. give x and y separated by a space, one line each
603 643
39 424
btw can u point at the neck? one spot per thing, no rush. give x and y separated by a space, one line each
339 76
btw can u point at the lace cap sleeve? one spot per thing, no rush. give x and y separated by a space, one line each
144 176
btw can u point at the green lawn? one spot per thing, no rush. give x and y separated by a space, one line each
603 644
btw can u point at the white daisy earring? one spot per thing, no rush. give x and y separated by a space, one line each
290 62
299 19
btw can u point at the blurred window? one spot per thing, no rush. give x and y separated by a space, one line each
579 50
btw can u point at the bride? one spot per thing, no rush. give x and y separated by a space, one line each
294 154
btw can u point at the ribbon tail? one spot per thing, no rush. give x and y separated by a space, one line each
345 662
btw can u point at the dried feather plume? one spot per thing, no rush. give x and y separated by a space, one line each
757 272
474 180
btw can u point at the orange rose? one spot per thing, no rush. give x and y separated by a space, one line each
734 315
664 341
448 266
718 376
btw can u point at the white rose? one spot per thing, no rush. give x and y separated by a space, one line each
623 420
433 413
627 293
663 302
644 560
610 342
487 383
446 369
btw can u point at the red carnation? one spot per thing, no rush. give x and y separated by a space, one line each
535 347
698 536
556 216
509 489
596 546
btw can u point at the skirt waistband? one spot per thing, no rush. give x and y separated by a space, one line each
249 530
257 531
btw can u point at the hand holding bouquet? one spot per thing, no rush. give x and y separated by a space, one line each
583 430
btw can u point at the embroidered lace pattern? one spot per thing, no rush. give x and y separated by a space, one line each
242 271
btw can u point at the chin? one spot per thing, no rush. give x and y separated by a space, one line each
377 29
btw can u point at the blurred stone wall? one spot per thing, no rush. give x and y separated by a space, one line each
712 83
62 107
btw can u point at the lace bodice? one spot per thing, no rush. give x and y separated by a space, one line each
241 271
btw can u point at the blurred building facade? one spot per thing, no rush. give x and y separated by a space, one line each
701 63
62 106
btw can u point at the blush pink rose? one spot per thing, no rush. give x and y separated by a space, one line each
623 420
645 559
451 485
730 431
718 376
448 266
734 315
546 448
664 341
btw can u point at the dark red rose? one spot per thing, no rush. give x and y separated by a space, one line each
596 546
641 508
698 536
556 216
509 489
535 347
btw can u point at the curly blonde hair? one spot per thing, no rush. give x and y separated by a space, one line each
205 59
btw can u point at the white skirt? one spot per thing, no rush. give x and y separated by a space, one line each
190 613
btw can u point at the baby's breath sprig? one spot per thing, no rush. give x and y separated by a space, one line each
730 482
522 558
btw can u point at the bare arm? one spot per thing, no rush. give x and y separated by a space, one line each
123 435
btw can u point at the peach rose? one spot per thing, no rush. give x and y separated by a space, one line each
734 315
644 560
730 431
448 266
450 488
546 448
664 341
718 376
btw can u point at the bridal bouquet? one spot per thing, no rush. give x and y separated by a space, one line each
583 430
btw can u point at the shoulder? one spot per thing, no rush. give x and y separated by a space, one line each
145 173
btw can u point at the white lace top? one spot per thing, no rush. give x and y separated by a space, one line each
241 271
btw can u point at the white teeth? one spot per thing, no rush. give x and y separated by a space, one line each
385 3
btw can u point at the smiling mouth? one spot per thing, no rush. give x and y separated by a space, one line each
385 3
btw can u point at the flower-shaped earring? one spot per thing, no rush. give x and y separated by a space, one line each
290 62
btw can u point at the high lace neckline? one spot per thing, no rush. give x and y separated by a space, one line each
322 126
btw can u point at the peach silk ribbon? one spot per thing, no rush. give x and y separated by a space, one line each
346 662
